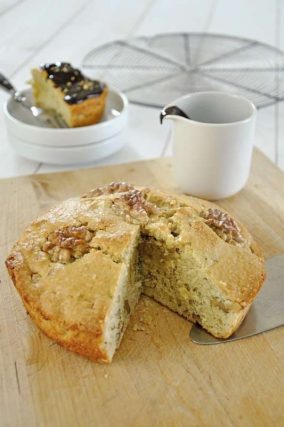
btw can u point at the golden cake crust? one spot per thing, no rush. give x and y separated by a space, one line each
87 237
57 292
88 112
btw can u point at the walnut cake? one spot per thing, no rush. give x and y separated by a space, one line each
81 268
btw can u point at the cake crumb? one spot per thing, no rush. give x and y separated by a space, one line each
137 327
145 320
106 376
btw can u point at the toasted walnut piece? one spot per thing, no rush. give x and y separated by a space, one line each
133 205
113 187
134 199
47 246
64 256
68 243
223 225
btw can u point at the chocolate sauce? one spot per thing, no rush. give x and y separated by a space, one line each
75 86
173 110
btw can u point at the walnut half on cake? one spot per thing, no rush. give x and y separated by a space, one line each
64 90
80 268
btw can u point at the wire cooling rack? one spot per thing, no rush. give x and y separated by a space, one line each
154 71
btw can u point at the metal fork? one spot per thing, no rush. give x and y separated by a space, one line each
46 119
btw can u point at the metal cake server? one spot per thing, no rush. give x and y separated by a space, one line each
47 120
266 313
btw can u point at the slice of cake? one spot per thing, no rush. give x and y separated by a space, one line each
199 262
64 90
80 268
76 271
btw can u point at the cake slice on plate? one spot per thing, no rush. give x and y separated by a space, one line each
64 90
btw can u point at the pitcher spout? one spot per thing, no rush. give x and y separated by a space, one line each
172 112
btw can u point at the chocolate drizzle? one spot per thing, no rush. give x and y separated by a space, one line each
75 86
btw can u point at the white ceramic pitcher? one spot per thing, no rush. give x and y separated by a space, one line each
212 149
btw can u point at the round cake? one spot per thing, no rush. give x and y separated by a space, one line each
81 268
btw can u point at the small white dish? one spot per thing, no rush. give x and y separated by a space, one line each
212 150
68 156
24 131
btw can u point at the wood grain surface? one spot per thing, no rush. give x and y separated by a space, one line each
158 376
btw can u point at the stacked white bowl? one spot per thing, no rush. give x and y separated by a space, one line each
63 146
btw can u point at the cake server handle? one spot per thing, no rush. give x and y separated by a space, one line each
266 312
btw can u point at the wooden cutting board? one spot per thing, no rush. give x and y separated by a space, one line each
158 377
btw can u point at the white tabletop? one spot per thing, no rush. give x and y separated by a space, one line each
36 31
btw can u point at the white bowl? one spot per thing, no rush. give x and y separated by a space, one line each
24 131
68 156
